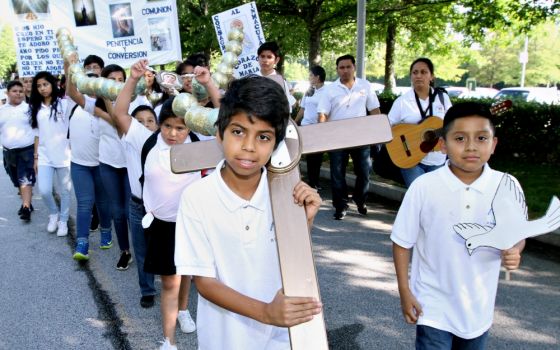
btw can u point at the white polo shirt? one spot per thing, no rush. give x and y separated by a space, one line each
162 188
223 236
457 291
84 133
340 102
405 111
54 147
15 128
280 80
309 105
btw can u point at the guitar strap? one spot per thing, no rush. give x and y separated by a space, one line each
424 113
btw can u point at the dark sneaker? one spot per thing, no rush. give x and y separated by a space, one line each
25 214
147 301
339 214
124 261
21 209
362 209
82 251
106 239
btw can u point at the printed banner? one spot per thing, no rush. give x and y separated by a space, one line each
247 17
118 31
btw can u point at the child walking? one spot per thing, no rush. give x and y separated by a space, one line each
225 233
52 150
451 294
160 198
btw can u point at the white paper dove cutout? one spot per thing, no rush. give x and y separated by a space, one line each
510 214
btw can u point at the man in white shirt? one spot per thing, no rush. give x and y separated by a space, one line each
348 97
18 140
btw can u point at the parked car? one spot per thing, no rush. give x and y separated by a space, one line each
530 94
479 92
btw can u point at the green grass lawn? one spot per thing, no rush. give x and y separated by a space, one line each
539 182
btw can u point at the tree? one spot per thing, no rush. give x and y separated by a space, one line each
7 52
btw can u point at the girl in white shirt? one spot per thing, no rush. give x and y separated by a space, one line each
52 154
112 164
161 192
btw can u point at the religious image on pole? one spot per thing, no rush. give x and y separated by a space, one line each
121 20
31 10
160 34
84 13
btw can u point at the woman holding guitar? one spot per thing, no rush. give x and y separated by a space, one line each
413 107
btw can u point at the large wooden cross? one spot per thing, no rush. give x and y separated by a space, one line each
293 238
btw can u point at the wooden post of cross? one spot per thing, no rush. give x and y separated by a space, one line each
293 238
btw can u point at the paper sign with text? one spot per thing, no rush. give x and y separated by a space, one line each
119 32
247 17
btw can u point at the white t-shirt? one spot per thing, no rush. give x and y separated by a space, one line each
54 147
111 149
309 105
15 128
222 236
340 102
84 133
162 187
457 291
133 142
405 110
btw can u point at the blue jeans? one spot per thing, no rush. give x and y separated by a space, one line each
63 185
314 161
145 280
411 174
429 338
362 168
89 189
115 181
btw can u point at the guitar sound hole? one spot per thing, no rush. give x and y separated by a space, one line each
429 136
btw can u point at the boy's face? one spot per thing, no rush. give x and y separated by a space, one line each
267 60
469 144
247 147
15 95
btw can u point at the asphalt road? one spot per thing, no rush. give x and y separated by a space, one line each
48 301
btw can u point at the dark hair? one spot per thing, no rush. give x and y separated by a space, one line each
346 57
141 108
428 62
198 59
273 47
181 66
319 71
13 83
36 99
105 72
258 97
94 59
166 111
463 110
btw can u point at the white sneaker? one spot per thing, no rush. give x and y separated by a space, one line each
53 223
62 229
186 322
166 345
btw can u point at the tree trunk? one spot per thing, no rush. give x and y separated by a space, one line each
314 56
390 55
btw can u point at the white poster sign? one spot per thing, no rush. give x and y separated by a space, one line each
118 31
247 17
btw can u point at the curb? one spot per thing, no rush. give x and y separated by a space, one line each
396 194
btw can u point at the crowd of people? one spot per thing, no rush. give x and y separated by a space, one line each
216 228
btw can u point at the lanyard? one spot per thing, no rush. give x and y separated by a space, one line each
423 113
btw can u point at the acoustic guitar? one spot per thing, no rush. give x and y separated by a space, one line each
411 142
